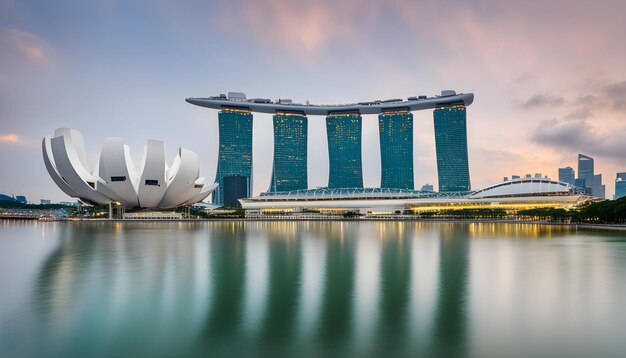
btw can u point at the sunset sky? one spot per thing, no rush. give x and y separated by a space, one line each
549 78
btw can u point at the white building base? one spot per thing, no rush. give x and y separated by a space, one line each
153 215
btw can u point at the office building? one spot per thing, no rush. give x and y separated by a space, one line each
581 185
620 186
586 170
566 175
598 190
396 149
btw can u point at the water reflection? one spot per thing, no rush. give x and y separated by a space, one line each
450 325
228 255
285 261
309 288
394 280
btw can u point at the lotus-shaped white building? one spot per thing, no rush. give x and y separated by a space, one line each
116 179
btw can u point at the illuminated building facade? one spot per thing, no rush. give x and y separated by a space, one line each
344 150
235 149
510 195
396 149
290 152
451 148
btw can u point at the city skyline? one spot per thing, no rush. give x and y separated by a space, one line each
542 92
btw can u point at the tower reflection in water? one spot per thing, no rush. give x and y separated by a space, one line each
258 288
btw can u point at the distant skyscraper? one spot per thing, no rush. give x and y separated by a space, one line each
620 185
598 189
585 170
451 148
235 149
290 153
566 175
396 149
582 186
344 150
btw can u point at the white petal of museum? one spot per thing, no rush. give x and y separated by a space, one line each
115 178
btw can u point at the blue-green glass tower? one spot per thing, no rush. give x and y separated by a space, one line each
235 149
451 147
290 152
620 186
396 149
344 150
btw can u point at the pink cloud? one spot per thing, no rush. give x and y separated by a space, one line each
9 138
301 27
29 47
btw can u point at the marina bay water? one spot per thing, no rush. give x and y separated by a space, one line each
310 289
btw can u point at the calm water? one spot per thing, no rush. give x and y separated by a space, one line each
310 289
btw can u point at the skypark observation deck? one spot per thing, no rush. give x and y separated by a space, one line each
261 105
344 137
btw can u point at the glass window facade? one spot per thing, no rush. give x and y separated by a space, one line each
235 187
235 149
581 185
344 150
598 189
290 153
620 186
396 150
451 148
586 171
566 175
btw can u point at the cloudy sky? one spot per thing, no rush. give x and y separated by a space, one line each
549 77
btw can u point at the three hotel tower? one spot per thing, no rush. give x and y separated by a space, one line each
344 133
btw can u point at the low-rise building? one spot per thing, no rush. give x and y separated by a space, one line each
512 195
